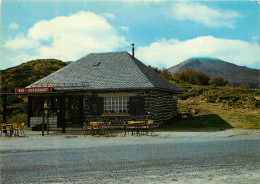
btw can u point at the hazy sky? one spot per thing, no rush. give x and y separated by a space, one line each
165 32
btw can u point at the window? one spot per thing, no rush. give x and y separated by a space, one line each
116 105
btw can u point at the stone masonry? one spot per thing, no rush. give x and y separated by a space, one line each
159 105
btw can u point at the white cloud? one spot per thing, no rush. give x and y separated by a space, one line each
108 15
13 26
67 38
124 28
21 42
168 53
205 15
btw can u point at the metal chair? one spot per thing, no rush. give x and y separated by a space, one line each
21 128
87 129
16 129
130 126
95 128
3 128
148 127
106 127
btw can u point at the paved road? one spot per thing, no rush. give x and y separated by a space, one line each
110 162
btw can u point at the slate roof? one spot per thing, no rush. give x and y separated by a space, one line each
116 70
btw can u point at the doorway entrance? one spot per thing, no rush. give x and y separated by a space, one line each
74 111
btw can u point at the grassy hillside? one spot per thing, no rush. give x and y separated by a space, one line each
200 107
216 108
209 107
27 73
22 76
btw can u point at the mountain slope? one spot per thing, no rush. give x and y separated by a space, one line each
218 68
27 73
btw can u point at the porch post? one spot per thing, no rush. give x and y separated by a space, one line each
4 108
43 115
29 110
62 108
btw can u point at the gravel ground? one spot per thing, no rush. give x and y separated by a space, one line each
57 140
237 163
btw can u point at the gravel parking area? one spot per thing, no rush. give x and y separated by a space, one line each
230 156
33 140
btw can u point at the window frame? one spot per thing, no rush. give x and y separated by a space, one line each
116 105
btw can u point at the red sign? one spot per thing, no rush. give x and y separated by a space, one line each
34 90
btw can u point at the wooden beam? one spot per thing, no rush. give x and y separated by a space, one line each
29 110
62 113
4 97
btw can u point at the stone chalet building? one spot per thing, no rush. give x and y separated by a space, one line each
113 86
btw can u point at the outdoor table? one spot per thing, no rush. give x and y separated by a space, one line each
95 127
136 126
10 128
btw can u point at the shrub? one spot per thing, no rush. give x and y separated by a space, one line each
192 77
219 81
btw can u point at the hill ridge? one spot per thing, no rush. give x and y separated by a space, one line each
218 68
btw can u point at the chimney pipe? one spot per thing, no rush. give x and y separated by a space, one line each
133 49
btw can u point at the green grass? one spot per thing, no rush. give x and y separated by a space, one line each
219 116
246 120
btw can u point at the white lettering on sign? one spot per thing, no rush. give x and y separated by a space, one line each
21 90
34 90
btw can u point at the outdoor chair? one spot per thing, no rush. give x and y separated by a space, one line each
95 128
148 127
106 127
21 128
131 127
88 129
3 128
16 129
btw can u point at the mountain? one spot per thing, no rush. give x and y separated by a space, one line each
28 73
217 68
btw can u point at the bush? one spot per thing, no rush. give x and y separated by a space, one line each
219 81
13 99
192 77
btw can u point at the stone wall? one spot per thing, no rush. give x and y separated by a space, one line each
159 106
164 106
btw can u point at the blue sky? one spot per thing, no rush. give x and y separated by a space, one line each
165 33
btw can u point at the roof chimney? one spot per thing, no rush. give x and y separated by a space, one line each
133 49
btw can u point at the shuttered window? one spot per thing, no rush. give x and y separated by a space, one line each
136 105
96 105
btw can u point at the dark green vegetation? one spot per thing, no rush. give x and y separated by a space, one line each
27 73
202 106
215 105
212 107
192 77
22 76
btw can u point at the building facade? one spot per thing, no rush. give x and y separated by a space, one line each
114 87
